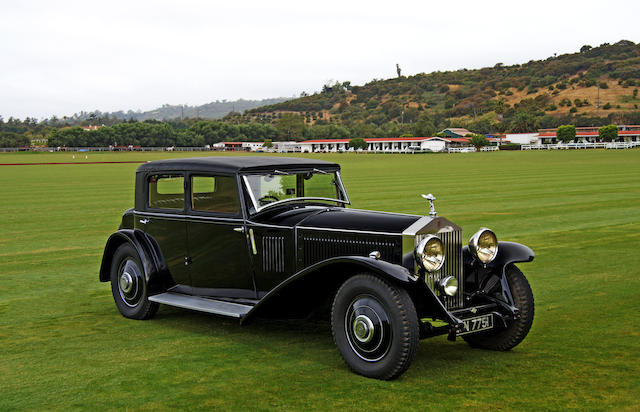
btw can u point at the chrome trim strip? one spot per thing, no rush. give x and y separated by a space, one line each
253 242
417 225
385 212
183 216
368 232
258 225
342 188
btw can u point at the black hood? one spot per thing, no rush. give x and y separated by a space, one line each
355 219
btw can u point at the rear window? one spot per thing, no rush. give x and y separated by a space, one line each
216 194
166 192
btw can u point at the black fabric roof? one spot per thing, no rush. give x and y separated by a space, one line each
234 164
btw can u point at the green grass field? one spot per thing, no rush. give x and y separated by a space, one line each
63 344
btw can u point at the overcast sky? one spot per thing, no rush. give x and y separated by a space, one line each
61 57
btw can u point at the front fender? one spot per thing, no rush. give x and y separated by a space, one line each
325 277
140 242
508 252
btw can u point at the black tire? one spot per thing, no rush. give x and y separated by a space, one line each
515 333
130 293
375 327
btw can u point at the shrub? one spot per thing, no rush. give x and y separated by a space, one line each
510 146
573 110
608 133
607 106
566 133
604 85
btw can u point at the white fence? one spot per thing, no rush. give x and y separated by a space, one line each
461 149
568 146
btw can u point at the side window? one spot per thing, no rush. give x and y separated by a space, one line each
166 192
215 194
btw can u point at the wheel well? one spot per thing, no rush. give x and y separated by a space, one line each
113 244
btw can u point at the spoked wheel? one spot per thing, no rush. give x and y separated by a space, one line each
128 284
375 327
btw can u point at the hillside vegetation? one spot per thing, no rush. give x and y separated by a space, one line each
593 87
545 93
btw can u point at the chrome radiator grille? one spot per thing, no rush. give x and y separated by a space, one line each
452 242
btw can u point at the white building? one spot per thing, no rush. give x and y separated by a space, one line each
391 144
523 138
286 147
252 146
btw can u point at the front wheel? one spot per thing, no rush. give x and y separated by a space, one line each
375 327
518 329
129 286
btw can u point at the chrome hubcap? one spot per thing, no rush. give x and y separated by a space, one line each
368 328
130 283
126 282
363 328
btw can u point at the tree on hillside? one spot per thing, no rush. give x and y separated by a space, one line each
608 133
566 133
358 143
523 122
290 126
585 48
478 141
424 127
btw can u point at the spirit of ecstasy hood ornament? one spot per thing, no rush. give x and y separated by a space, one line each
430 198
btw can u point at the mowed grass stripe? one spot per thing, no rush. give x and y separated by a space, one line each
64 345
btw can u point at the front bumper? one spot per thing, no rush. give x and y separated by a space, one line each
457 323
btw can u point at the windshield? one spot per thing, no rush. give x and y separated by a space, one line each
266 189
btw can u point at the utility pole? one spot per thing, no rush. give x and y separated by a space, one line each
598 101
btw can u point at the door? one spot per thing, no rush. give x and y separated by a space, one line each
164 221
217 237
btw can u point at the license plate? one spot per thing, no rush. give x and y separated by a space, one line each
477 324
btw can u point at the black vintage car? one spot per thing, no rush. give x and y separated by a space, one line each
271 237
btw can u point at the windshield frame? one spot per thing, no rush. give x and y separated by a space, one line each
257 208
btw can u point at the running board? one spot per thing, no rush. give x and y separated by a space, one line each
219 307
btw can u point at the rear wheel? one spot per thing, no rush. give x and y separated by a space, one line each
375 327
129 286
506 339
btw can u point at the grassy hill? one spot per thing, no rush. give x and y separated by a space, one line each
591 87
212 110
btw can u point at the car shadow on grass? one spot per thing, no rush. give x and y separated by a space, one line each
312 339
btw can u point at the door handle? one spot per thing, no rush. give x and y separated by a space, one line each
144 221
239 229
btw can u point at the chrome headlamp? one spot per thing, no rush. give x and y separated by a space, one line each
484 245
430 253
449 285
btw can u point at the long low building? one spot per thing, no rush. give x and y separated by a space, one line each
390 144
582 136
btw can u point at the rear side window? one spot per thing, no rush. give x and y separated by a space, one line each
216 194
166 192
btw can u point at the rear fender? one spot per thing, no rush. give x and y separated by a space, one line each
319 281
148 252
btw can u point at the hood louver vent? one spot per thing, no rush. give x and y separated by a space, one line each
321 246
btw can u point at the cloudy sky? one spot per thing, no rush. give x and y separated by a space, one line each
61 57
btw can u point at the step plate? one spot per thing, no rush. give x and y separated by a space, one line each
234 310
